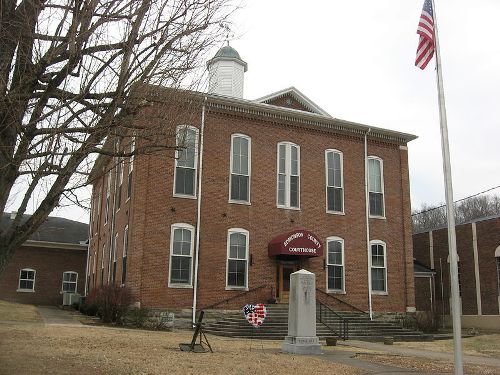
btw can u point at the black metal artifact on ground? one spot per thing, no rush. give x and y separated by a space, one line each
198 332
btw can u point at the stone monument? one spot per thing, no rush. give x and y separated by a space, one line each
302 337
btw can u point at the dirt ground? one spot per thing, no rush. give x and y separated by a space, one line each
28 347
434 366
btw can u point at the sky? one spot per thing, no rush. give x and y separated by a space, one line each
355 59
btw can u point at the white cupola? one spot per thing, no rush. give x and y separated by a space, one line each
225 73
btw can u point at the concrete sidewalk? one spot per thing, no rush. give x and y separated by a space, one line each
55 316
407 352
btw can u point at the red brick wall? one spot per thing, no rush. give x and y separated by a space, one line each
49 264
423 297
153 210
488 239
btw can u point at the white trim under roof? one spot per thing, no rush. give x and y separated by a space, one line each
301 98
55 245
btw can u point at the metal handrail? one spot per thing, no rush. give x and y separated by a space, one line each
237 296
343 329
341 301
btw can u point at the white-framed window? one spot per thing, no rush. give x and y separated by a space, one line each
102 263
376 186
69 281
108 198
181 255
288 178
335 264
240 165
334 181
119 177
113 250
26 280
378 266
124 255
130 167
186 161
237 258
99 203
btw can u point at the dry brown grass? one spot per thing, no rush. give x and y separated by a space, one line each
16 312
482 345
39 349
430 366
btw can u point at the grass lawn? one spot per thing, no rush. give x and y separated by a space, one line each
33 348
16 312
485 345
432 366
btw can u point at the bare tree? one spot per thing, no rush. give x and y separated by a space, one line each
466 210
67 71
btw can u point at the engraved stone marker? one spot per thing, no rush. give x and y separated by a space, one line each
302 337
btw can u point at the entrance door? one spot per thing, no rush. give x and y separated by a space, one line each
284 272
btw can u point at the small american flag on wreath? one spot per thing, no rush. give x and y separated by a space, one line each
255 314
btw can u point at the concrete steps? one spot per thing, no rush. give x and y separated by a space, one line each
275 327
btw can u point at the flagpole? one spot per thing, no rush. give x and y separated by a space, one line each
452 241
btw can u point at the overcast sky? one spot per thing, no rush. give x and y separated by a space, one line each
355 59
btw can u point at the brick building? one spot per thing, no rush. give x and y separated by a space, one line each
256 190
478 249
50 263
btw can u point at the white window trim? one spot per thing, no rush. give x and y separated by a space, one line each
76 282
247 236
342 181
196 143
124 251
172 228
335 291
23 290
249 168
130 167
379 242
99 203
288 164
108 198
381 186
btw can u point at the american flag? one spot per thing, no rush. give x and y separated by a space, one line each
425 29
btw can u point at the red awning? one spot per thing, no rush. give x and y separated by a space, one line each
299 242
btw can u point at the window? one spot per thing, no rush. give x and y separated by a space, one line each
119 177
130 167
237 258
99 202
124 255
181 253
335 264
376 186
334 181
69 281
288 184
240 168
102 263
186 161
378 264
113 257
27 280
108 198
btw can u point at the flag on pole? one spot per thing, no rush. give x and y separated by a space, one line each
425 29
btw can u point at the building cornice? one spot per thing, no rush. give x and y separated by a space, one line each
307 118
55 245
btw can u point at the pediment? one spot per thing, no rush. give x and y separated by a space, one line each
294 99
